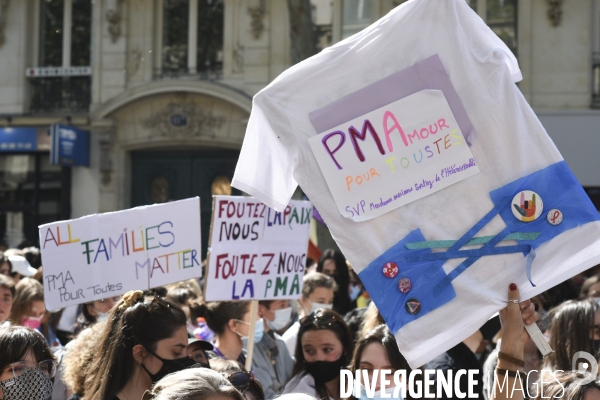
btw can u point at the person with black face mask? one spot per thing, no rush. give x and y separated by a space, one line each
324 347
27 365
145 339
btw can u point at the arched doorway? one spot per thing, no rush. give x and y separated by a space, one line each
162 176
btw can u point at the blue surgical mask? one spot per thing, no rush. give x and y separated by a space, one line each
101 316
355 292
259 331
377 395
282 317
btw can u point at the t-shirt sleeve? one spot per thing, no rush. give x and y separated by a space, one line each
484 42
269 155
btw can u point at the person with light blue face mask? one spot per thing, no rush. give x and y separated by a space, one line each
318 291
272 363
230 322
93 312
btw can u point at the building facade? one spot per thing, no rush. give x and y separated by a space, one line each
165 87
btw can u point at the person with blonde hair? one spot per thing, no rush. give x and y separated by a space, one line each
28 305
193 384
76 362
318 291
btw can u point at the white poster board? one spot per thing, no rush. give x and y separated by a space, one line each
394 155
105 255
256 253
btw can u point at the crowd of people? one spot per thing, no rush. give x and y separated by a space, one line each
168 343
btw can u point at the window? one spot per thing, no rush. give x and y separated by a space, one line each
210 36
81 36
58 17
501 17
322 19
192 37
175 35
356 16
51 28
64 41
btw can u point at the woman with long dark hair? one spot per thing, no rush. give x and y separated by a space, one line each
378 350
333 263
144 339
324 347
574 327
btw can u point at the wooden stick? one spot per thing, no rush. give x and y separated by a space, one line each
250 349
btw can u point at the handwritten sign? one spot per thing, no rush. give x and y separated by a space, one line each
256 253
104 255
394 155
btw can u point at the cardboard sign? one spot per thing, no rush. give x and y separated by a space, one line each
256 253
393 155
105 255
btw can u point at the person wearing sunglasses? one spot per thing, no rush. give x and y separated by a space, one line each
144 339
250 388
241 379
27 365
325 346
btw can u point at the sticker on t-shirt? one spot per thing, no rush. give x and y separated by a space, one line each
394 155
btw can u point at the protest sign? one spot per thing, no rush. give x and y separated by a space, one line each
436 268
105 255
408 149
256 253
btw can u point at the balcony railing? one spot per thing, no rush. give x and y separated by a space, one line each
174 73
61 94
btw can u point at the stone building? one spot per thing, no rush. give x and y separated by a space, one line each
165 87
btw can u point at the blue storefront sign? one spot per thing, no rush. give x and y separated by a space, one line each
70 146
18 140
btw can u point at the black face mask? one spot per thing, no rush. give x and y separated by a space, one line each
203 365
595 346
325 371
170 366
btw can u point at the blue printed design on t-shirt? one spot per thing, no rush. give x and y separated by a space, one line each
432 287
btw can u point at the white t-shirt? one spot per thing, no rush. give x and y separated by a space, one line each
304 384
507 142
